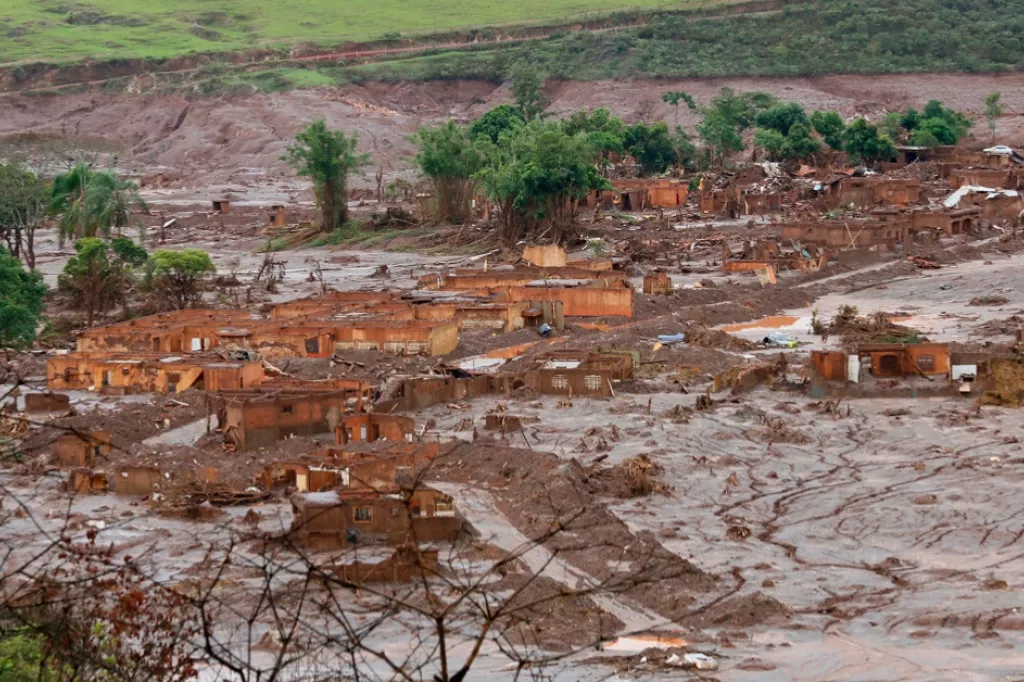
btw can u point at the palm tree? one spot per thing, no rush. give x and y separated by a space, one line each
90 202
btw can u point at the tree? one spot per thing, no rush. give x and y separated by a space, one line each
100 274
526 90
674 97
535 173
24 198
179 276
936 129
326 157
91 202
800 144
684 149
605 133
87 277
993 110
720 135
741 110
781 117
771 141
863 142
651 147
21 301
892 126
449 158
944 124
492 124
910 119
830 125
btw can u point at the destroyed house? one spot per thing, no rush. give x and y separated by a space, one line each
255 419
323 338
847 234
875 190
502 315
995 204
383 465
634 194
579 373
333 300
370 427
82 449
335 519
178 332
949 221
419 394
613 299
403 565
505 277
995 178
871 366
657 284
550 256
149 372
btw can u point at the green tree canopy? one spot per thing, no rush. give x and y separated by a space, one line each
24 198
830 125
993 110
21 301
781 117
674 97
100 274
863 141
740 110
527 82
448 156
534 173
91 202
800 144
720 135
936 129
771 141
651 146
326 157
179 276
499 119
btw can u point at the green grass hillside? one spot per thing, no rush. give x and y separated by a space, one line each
56 31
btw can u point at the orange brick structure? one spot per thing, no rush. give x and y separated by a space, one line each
328 520
82 449
149 372
254 419
372 427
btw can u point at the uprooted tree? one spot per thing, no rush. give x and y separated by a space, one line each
327 157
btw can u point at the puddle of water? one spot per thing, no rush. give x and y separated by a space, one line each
636 643
774 322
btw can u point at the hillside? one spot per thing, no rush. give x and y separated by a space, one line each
708 38
58 31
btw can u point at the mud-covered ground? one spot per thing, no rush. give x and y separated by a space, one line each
215 140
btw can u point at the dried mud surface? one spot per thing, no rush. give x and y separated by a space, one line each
221 139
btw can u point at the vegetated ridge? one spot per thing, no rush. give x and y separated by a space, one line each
761 38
